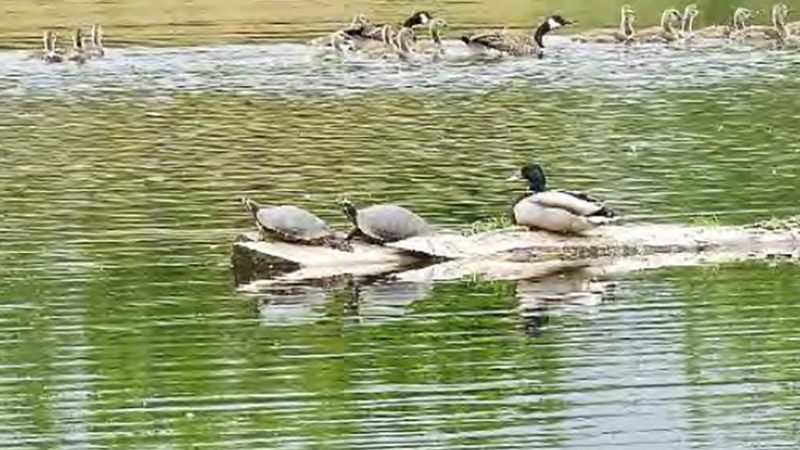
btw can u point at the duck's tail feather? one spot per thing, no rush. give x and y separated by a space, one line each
601 220
605 212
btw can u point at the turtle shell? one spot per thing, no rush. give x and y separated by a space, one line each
390 223
293 224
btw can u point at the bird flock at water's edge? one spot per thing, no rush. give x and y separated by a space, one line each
81 51
676 27
401 40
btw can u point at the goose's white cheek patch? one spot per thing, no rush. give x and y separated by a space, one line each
553 24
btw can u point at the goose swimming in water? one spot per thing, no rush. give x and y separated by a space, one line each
740 20
760 33
96 50
557 211
50 54
665 32
339 40
515 44
78 53
385 33
623 34
408 47
687 21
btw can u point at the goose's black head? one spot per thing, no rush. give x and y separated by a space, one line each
551 23
534 175
418 18
557 21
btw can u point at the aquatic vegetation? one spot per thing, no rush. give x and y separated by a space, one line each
777 224
497 222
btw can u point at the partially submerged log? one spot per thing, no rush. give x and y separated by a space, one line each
611 240
506 251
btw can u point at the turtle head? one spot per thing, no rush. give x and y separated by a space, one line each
534 175
251 206
348 208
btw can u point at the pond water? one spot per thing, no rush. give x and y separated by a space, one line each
121 325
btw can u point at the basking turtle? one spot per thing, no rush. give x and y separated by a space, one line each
384 223
292 224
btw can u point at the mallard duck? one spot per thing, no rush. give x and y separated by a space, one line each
624 33
78 53
687 21
515 44
96 50
50 53
760 33
558 211
665 32
740 19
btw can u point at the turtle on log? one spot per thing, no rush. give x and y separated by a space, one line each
380 224
292 224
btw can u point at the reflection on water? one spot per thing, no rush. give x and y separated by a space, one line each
121 326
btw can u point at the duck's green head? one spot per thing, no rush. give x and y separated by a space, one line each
534 175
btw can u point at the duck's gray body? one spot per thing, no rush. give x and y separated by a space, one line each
558 211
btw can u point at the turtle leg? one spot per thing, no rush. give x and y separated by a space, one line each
354 233
357 233
339 244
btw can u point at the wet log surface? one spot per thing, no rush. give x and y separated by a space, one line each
511 253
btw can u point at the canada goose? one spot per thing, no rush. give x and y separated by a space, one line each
407 46
339 40
664 32
785 39
434 45
385 33
78 53
515 44
760 33
558 211
96 50
49 53
741 18
793 27
687 21
624 33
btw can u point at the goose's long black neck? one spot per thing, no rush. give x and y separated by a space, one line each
538 36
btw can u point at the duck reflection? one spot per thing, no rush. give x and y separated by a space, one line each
571 292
